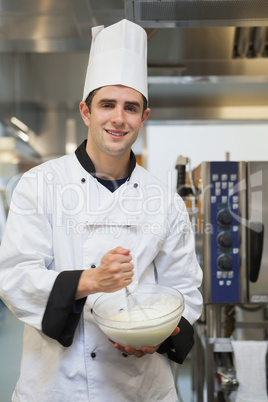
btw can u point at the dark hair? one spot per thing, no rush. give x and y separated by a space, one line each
88 100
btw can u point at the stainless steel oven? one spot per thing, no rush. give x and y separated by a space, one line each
230 220
231 237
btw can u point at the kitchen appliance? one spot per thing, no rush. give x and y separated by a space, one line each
231 241
230 221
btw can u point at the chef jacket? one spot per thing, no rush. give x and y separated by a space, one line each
61 222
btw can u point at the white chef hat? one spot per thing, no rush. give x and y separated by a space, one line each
118 56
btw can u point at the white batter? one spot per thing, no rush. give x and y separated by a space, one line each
141 326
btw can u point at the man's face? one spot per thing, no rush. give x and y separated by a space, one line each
115 120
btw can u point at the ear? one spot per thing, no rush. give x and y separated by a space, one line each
84 113
145 116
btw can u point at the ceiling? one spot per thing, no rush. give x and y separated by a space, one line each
207 59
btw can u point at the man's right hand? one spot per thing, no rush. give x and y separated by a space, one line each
114 273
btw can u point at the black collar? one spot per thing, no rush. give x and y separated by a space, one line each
87 163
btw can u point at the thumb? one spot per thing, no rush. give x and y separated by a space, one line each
176 331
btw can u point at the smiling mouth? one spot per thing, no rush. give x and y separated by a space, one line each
115 134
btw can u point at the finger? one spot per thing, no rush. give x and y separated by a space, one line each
126 267
149 350
129 350
176 331
138 353
135 352
122 258
121 349
120 250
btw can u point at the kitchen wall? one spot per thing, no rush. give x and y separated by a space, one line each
206 142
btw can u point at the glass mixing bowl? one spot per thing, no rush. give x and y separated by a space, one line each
145 317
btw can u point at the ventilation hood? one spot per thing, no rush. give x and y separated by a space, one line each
207 61
197 13
215 51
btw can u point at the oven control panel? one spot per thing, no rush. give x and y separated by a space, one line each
224 218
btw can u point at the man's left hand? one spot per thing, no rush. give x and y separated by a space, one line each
144 350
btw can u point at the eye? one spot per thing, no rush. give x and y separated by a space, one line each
131 109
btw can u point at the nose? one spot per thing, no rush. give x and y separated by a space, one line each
118 115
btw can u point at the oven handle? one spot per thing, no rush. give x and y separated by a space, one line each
256 236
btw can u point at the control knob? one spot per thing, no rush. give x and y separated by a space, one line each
225 262
224 217
225 240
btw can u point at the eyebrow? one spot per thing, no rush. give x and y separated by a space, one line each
133 103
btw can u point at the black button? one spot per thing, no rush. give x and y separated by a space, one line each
124 354
93 355
91 310
93 266
83 180
135 185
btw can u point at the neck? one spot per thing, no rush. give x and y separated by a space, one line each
110 167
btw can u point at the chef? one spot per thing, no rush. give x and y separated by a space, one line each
92 222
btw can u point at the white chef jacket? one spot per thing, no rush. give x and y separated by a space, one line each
62 219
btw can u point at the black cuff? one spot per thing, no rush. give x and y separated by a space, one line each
61 318
177 347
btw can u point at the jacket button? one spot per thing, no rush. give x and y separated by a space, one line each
91 310
93 355
93 266
135 185
124 354
83 180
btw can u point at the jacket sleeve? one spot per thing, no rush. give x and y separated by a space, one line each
30 284
62 312
178 347
26 252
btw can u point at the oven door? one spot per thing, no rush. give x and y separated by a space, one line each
257 228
